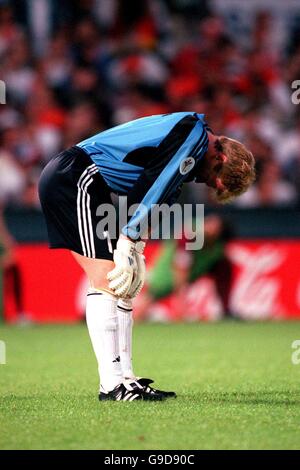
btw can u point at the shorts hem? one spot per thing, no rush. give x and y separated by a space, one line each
106 256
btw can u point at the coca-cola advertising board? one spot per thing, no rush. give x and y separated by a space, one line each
266 284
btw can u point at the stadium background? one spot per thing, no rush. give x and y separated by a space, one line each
73 68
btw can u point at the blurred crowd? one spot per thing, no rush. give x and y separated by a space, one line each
74 68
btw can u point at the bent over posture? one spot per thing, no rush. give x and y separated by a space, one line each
146 160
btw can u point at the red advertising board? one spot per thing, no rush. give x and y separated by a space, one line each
266 284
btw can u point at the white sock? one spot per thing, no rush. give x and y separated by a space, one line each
125 320
102 322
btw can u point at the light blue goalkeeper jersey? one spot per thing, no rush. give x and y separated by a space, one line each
149 159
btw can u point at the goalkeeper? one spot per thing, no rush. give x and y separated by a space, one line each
146 160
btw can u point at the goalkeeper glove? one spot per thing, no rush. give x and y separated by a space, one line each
140 271
125 265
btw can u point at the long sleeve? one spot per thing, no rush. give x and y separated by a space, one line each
162 177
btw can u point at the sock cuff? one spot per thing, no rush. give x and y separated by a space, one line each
125 305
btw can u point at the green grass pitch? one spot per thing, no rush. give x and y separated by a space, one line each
237 389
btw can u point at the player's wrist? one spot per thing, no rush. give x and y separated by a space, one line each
139 245
125 245
125 237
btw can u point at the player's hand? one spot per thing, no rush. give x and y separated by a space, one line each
140 271
125 265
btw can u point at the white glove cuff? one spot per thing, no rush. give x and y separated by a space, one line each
139 247
126 246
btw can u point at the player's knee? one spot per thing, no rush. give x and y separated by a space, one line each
98 279
97 286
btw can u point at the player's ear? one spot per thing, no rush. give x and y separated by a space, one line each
223 157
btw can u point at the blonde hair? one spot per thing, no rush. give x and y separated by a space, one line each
238 172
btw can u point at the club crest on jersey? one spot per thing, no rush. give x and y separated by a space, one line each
187 165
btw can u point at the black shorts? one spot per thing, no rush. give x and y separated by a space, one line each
70 189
